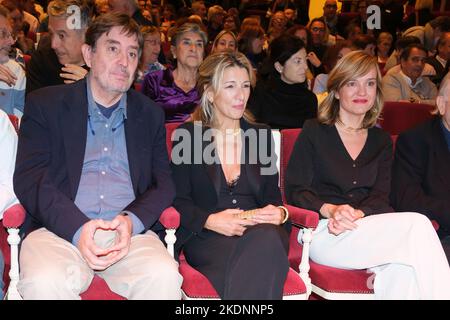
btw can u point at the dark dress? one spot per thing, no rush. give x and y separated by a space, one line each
253 266
282 105
320 170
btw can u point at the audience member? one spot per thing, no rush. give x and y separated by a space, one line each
216 14
421 168
441 61
130 8
409 84
365 43
332 56
340 166
93 175
243 254
225 40
277 25
150 53
283 100
384 46
251 43
175 90
59 60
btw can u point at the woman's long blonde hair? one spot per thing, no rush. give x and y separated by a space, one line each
352 66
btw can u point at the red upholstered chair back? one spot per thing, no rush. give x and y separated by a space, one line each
400 116
138 87
170 128
26 59
346 17
288 138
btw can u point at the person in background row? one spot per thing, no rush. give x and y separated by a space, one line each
365 43
441 60
59 60
175 90
384 46
341 167
225 40
20 27
216 15
283 99
421 171
251 43
130 8
332 56
231 23
152 48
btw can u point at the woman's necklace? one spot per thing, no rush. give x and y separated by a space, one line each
347 128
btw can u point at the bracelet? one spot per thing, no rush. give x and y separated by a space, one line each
286 214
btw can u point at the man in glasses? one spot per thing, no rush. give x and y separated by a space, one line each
12 76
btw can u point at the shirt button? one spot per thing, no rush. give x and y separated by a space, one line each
354 165
105 149
234 201
103 172
350 195
354 182
101 196
106 126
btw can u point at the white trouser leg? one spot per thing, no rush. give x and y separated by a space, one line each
389 244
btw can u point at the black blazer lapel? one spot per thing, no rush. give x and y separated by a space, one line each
135 136
252 169
74 129
213 170
441 153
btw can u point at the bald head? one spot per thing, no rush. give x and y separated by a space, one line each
329 9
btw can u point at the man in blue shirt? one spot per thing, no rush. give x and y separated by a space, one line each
421 171
92 172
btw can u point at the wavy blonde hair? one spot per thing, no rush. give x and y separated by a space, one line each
352 66
210 74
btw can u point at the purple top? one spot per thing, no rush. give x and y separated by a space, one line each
177 104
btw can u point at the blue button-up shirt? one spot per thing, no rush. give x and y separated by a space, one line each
105 187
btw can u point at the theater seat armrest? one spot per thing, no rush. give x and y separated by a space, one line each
14 216
170 218
302 217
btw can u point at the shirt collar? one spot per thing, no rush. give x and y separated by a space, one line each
409 81
92 105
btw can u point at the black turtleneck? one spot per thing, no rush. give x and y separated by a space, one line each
282 105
